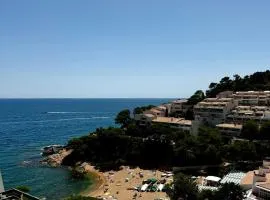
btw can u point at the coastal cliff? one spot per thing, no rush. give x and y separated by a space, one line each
55 160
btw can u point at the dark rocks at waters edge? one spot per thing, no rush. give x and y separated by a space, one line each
55 160
52 149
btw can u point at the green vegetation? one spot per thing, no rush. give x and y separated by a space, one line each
256 81
250 130
265 130
230 191
80 198
159 146
196 97
139 110
123 118
185 188
77 174
23 188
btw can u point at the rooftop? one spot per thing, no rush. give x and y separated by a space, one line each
180 101
248 178
218 99
213 178
172 120
233 177
161 107
264 186
149 115
232 126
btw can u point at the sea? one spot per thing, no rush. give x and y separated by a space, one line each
27 125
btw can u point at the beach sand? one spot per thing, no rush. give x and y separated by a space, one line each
116 184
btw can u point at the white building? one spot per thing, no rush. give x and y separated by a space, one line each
231 130
179 106
159 111
213 110
242 114
179 123
144 119
252 97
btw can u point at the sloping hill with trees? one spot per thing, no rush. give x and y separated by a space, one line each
256 81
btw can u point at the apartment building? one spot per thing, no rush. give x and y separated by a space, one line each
230 129
255 98
144 119
159 111
213 110
179 123
241 114
225 94
179 105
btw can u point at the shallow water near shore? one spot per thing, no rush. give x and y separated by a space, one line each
27 125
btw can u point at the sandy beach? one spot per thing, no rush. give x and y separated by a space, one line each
119 184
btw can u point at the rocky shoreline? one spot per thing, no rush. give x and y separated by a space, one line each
55 160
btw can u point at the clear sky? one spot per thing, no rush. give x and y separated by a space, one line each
122 48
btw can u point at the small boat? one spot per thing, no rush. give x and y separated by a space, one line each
51 149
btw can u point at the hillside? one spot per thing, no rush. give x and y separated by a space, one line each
256 81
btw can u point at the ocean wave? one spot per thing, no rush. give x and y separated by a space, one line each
100 117
55 120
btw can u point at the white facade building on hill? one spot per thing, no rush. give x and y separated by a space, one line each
179 105
179 123
260 98
230 129
242 114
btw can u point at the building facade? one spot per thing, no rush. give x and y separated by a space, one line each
255 98
213 110
230 130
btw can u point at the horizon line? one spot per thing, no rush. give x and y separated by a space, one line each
6 98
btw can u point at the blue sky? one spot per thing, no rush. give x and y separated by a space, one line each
120 48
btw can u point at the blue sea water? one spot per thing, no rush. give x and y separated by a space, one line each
27 125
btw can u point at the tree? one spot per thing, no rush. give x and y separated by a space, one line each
256 81
77 174
240 151
250 130
189 115
206 195
230 191
23 188
183 187
123 118
196 97
265 130
212 85
80 198
139 110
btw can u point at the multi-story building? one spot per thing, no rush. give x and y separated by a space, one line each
179 123
230 130
213 110
242 114
149 119
159 111
144 119
225 94
179 106
259 98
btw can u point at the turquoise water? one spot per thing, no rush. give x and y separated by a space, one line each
26 125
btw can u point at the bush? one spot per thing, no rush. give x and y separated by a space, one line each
23 188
